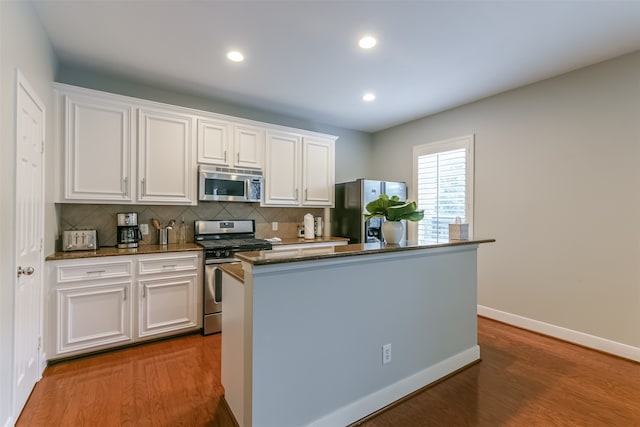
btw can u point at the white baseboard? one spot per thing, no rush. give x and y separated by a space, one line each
575 337
387 395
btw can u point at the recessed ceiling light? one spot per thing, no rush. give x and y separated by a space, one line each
235 56
368 97
367 42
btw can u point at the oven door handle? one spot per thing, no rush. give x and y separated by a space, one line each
217 291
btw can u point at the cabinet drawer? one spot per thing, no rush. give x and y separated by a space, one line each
97 270
165 264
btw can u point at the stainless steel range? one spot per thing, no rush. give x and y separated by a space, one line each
221 240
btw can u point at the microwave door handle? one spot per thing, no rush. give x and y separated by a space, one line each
247 188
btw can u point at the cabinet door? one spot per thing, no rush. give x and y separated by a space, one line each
166 167
213 142
248 147
97 138
92 317
318 176
282 170
167 304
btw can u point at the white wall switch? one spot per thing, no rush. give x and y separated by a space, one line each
274 226
144 229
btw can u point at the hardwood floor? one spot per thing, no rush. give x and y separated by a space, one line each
524 379
168 383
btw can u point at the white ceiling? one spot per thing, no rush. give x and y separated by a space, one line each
302 57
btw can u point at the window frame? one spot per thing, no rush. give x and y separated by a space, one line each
468 143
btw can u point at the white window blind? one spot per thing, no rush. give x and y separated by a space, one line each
443 186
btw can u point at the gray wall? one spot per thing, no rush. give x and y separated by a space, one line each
23 45
557 177
353 148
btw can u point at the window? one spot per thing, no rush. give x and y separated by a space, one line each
443 185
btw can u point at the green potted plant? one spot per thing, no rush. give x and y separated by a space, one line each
393 210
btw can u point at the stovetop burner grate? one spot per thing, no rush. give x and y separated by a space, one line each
235 244
227 237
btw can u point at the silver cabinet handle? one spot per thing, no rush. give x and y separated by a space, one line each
96 272
25 271
225 156
142 185
125 294
306 197
238 156
296 193
144 291
170 266
126 190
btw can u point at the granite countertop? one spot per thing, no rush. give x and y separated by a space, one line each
302 241
324 252
112 251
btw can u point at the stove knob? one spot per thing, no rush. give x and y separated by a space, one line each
217 254
227 253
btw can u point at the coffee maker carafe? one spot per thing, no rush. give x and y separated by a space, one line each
128 231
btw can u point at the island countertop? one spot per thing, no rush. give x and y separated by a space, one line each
303 241
308 254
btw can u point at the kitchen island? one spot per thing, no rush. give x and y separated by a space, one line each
326 336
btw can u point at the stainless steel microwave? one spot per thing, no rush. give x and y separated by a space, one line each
229 185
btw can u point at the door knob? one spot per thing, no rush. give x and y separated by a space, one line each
26 271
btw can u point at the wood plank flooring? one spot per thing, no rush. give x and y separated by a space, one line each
524 379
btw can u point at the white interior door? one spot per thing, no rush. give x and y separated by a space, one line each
30 131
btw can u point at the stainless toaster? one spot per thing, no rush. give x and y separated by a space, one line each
79 240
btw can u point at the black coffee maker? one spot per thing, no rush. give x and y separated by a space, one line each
128 231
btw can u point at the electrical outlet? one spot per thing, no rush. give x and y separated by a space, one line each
274 226
144 229
386 354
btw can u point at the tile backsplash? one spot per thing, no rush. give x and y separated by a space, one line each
103 218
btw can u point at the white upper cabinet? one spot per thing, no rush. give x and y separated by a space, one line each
248 146
230 144
166 167
214 142
106 161
318 174
299 170
282 169
98 135
122 150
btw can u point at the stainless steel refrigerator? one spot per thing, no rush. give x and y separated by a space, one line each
347 218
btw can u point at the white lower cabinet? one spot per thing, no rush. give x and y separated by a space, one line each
167 305
97 303
93 316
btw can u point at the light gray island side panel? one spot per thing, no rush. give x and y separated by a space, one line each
319 327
